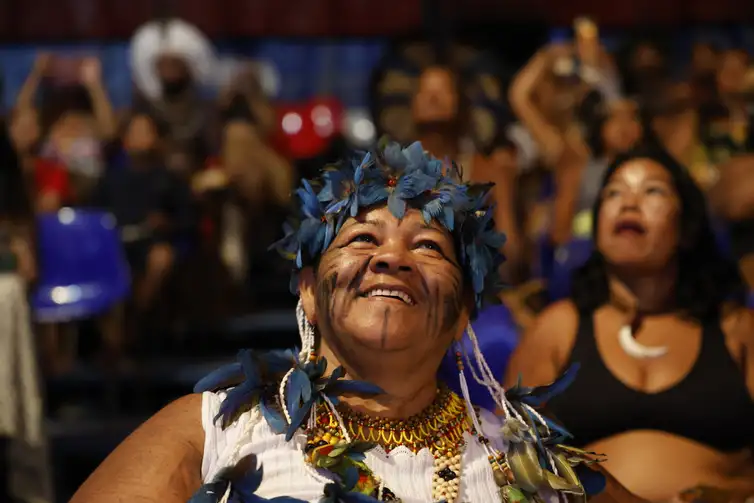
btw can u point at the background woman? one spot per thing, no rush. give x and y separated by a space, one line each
656 322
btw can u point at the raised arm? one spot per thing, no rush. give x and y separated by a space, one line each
158 463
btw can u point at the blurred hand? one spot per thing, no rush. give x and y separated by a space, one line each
90 72
42 64
209 180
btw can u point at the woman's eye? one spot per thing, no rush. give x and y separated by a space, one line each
429 245
364 238
655 190
611 193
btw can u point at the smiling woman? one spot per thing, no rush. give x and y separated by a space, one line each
394 255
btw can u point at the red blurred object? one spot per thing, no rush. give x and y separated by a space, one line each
71 19
305 130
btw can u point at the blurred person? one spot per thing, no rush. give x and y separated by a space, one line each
656 322
62 153
171 60
449 97
727 134
726 122
704 62
24 468
441 119
246 196
611 129
577 134
151 204
81 121
47 178
643 67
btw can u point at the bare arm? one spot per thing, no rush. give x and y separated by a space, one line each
28 92
545 347
568 174
158 463
547 136
104 115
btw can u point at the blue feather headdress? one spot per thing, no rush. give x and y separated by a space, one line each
400 178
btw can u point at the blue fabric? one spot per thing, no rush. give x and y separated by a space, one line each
83 271
496 331
566 259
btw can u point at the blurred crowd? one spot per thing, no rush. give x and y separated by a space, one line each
200 187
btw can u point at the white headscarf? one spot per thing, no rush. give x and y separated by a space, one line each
171 37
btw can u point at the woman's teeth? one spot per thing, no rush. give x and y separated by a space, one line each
391 293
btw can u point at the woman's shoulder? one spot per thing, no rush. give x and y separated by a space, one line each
168 447
558 318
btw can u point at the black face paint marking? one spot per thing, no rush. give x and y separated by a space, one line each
355 284
325 290
383 336
433 313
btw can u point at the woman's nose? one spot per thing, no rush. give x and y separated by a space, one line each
391 259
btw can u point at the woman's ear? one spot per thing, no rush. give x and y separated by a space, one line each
307 286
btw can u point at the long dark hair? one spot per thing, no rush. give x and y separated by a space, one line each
706 278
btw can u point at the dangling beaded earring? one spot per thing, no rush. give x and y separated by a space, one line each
305 332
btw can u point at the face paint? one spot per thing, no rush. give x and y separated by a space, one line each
413 269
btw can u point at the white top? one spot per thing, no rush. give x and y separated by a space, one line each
286 473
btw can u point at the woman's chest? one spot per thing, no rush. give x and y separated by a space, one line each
409 476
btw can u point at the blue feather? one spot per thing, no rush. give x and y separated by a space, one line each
396 205
273 418
217 378
298 390
542 394
298 418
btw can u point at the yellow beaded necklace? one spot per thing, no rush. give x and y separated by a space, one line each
439 428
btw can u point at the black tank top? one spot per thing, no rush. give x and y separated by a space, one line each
711 405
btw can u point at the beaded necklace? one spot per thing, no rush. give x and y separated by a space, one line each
439 428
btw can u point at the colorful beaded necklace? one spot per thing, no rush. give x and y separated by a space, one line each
439 428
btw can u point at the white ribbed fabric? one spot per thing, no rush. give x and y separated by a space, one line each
287 474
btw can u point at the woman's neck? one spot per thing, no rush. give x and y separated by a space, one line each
404 395
639 294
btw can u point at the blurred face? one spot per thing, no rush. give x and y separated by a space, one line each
174 73
24 130
141 135
388 285
436 100
69 128
731 74
638 226
622 129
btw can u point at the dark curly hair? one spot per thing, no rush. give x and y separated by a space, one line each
706 278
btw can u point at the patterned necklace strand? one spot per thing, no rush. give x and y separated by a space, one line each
439 428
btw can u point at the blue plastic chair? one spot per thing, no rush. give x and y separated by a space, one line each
498 336
83 270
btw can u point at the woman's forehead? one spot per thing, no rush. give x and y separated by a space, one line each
382 217
641 169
